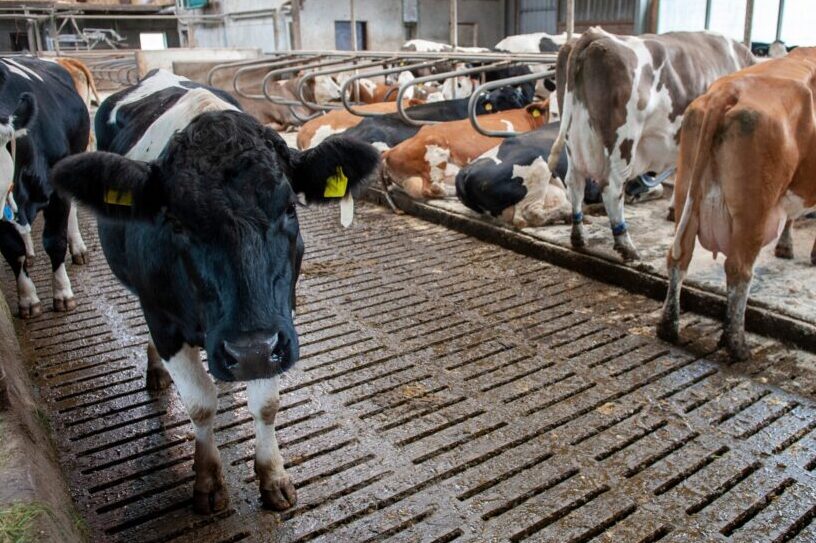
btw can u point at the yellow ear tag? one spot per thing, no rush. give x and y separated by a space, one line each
336 184
488 107
536 113
119 198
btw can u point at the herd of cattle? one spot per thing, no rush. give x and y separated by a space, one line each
196 194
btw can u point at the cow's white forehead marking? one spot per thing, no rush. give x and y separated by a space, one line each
189 106
492 154
159 81
21 70
381 146
508 126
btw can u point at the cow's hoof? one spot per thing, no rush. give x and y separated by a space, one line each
30 311
207 503
737 349
577 237
668 331
80 259
64 305
627 251
281 496
784 251
157 379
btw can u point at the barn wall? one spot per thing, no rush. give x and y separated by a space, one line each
385 30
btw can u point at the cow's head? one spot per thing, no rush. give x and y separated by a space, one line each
15 115
223 194
503 98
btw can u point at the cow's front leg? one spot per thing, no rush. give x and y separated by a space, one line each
576 185
198 395
277 490
76 245
55 241
612 195
784 247
13 248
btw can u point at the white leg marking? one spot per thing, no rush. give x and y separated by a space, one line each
26 291
263 401
62 285
75 242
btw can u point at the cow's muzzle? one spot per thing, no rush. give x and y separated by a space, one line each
257 355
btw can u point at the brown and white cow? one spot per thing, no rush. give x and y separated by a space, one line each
746 164
623 102
340 120
425 165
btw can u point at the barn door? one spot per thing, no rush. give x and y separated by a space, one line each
538 16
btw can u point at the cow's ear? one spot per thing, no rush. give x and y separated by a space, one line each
25 111
333 169
540 109
111 185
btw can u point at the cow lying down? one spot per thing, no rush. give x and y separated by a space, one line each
199 220
513 181
340 120
426 165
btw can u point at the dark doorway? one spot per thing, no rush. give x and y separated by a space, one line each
19 41
342 36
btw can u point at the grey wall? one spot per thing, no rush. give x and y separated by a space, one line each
243 29
383 19
489 16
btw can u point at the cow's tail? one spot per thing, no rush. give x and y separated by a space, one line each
560 140
692 178
82 67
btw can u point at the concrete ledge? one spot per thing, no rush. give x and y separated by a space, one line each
758 319
35 504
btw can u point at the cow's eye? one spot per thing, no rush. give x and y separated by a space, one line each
291 210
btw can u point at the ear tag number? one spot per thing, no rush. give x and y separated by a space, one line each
536 113
119 198
336 184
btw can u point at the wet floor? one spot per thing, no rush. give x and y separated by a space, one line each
449 390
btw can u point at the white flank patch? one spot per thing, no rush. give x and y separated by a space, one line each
6 174
21 70
62 285
189 106
159 81
436 156
425 46
323 132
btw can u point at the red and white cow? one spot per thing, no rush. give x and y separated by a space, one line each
623 102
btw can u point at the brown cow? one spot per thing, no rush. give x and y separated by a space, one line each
746 164
83 79
425 166
339 120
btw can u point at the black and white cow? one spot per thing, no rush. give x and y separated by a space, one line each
198 219
42 120
389 130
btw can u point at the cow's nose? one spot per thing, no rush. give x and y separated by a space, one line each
253 356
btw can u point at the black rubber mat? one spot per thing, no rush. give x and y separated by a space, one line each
449 390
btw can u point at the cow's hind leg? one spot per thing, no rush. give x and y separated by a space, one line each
277 490
677 263
13 248
199 397
576 185
612 195
55 241
157 378
76 245
738 273
784 247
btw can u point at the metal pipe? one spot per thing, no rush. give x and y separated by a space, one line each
708 15
353 21
346 84
454 23
237 75
239 63
296 42
780 18
749 22
485 88
439 77
283 101
570 19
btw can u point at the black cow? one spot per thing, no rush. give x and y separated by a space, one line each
42 120
389 130
206 235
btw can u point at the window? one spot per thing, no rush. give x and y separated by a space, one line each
342 36
150 41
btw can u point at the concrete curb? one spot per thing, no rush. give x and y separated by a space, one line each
758 319
32 484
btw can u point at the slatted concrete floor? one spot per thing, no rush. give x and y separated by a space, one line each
449 390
